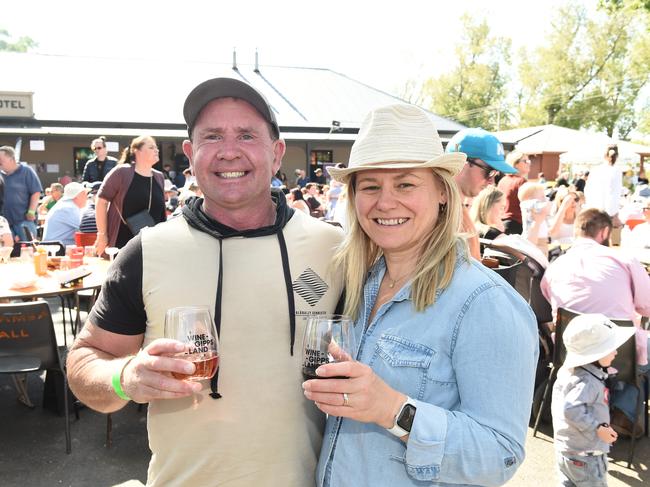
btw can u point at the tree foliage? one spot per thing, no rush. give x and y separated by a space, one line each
23 44
589 72
474 91
616 5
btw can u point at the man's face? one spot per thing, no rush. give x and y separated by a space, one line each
474 177
7 164
233 156
99 148
56 194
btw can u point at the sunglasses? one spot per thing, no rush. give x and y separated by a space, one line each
98 147
488 172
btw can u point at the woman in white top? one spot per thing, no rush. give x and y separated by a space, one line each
568 206
297 201
5 233
534 211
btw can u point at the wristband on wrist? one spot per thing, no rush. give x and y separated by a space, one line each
31 212
117 381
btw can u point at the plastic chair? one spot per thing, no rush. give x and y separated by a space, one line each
540 403
29 345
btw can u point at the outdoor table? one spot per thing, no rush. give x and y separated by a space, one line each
48 285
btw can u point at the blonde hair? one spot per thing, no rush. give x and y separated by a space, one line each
484 201
528 190
357 254
514 157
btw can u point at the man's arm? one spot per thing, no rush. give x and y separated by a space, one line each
33 204
97 355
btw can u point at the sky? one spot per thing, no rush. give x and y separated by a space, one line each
383 44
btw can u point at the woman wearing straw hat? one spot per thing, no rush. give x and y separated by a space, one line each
580 404
443 379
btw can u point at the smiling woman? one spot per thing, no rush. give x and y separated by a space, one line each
427 370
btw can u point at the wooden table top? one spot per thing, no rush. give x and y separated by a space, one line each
48 285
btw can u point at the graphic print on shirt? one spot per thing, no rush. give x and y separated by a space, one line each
310 287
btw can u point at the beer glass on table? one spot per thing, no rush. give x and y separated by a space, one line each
194 327
328 338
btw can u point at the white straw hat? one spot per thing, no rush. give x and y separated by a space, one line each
398 137
590 337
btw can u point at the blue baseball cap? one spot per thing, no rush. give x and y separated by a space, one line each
480 144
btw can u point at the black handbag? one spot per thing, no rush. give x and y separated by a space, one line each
141 219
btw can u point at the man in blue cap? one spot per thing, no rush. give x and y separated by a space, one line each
485 159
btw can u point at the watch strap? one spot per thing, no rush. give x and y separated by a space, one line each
397 430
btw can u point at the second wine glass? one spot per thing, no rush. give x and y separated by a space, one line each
328 338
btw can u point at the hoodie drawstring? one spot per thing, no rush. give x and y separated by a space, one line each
287 281
214 382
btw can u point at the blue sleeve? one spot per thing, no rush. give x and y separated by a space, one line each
32 182
481 441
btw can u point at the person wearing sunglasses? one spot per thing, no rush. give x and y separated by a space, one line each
99 166
485 159
510 185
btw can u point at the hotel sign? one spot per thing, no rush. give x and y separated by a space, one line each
14 104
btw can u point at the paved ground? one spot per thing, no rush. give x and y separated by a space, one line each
33 448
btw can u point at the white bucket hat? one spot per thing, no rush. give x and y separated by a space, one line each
398 137
590 337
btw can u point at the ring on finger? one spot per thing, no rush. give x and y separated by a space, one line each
346 399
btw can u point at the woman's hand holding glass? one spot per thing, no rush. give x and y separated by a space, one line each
369 398
346 388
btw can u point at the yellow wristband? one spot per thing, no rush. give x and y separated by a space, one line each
31 212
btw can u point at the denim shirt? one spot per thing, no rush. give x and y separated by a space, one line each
468 361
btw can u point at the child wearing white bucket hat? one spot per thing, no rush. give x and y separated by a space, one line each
580 404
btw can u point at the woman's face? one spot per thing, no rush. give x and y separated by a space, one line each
147 153
495 213
398 208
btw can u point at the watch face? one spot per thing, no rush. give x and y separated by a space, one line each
406 417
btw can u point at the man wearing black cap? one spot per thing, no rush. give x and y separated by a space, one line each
260 267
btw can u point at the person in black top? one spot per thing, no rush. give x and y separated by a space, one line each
132 187
99 166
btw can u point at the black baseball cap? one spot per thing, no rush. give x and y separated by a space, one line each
215 88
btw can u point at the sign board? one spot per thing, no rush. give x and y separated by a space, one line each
14 104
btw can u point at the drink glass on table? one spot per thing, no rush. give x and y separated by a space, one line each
328 338
194 327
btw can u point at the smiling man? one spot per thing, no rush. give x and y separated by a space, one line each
261 267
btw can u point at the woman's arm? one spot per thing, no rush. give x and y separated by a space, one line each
101 217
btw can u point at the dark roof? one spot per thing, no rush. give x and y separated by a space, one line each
148 91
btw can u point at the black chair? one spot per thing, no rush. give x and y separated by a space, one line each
625 363
29 345
525 274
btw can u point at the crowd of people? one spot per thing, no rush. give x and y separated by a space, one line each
445 345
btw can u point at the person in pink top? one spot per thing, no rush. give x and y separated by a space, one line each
594 278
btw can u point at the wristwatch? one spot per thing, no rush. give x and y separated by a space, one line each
404 418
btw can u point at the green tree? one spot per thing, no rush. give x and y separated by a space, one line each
23 44
588 73
474 91
616 5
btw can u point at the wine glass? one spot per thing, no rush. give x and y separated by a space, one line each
194 327
328 338
111 252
